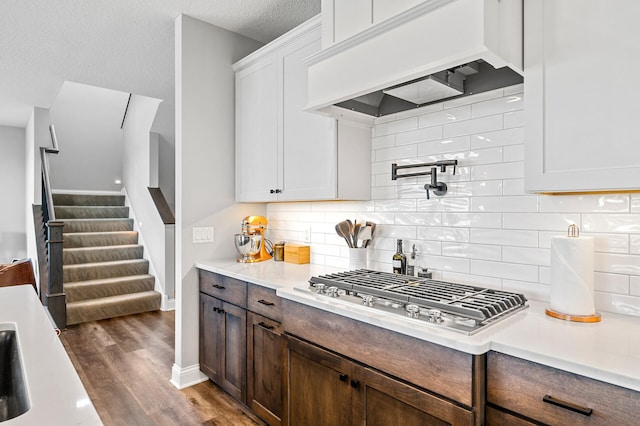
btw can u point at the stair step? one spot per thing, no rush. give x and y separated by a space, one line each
87 200
94 271
112 306
98 225
96 289
90 212
74 256
93 239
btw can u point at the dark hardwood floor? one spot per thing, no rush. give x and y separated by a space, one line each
125 365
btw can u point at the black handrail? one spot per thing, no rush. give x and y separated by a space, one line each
52 287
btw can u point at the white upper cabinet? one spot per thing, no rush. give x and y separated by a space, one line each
582 128
282 152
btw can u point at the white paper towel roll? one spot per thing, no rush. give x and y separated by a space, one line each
572 281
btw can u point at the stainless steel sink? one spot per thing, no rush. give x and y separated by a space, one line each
14 398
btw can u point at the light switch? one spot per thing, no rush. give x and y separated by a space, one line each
202 235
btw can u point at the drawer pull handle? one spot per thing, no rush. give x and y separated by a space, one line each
567 405
219 287
264 302
267 326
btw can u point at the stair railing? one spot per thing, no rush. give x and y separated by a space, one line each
51 286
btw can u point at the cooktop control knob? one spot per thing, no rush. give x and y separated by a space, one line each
367 300
320 288
435 315
332 291
413 311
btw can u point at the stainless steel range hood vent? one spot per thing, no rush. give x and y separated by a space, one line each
468 79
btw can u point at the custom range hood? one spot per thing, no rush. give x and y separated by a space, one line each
435 50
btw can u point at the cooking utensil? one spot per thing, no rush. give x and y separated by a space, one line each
364 235
351 233
343 229
373 230
356 230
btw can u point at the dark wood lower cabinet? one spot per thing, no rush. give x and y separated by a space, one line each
325 388
265 353
223 343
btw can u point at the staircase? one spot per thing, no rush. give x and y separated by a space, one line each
104 273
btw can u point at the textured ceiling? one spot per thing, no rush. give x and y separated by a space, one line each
125 45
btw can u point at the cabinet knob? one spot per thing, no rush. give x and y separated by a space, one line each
272 191
343 377
355 384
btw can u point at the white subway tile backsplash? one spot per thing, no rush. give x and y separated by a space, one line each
505 270
396 153
476 125
498 138
612 283
498 106
514 119
610 203
513 170
472 251
398 126
504 237
626 223
443 234
513 153
451 115
442 146
472 220
421 135
486 230
540 221
524 203
529 256
386 141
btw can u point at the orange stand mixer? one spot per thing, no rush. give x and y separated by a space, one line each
251 242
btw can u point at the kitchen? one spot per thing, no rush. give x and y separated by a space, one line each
493 228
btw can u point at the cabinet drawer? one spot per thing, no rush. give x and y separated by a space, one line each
520 386
497 417
225 288
264 301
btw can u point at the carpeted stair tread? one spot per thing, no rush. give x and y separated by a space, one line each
96 289
90 212
113 306
94 271
87 200
77 255
93 239
98 225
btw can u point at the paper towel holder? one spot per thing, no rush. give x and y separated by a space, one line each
573 232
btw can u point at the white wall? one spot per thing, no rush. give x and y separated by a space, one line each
87 121
205 111
138 166
164 126
36 135
486 230
13 237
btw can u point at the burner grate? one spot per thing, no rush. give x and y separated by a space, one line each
477 303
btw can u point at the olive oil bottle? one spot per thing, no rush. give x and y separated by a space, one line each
399 260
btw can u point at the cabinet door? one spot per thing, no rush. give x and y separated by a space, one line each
581 120
319 391
265 354
256 132
233 352
381 400
211 332
309 140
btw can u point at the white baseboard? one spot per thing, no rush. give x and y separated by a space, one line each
84 192
168 304
182 378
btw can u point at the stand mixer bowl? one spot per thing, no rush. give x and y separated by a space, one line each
248 246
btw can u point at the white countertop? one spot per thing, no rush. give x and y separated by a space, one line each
607 351
55 391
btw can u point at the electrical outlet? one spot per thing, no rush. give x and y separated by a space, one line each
202 235
307 235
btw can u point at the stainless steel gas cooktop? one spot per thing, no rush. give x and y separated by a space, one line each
459 307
